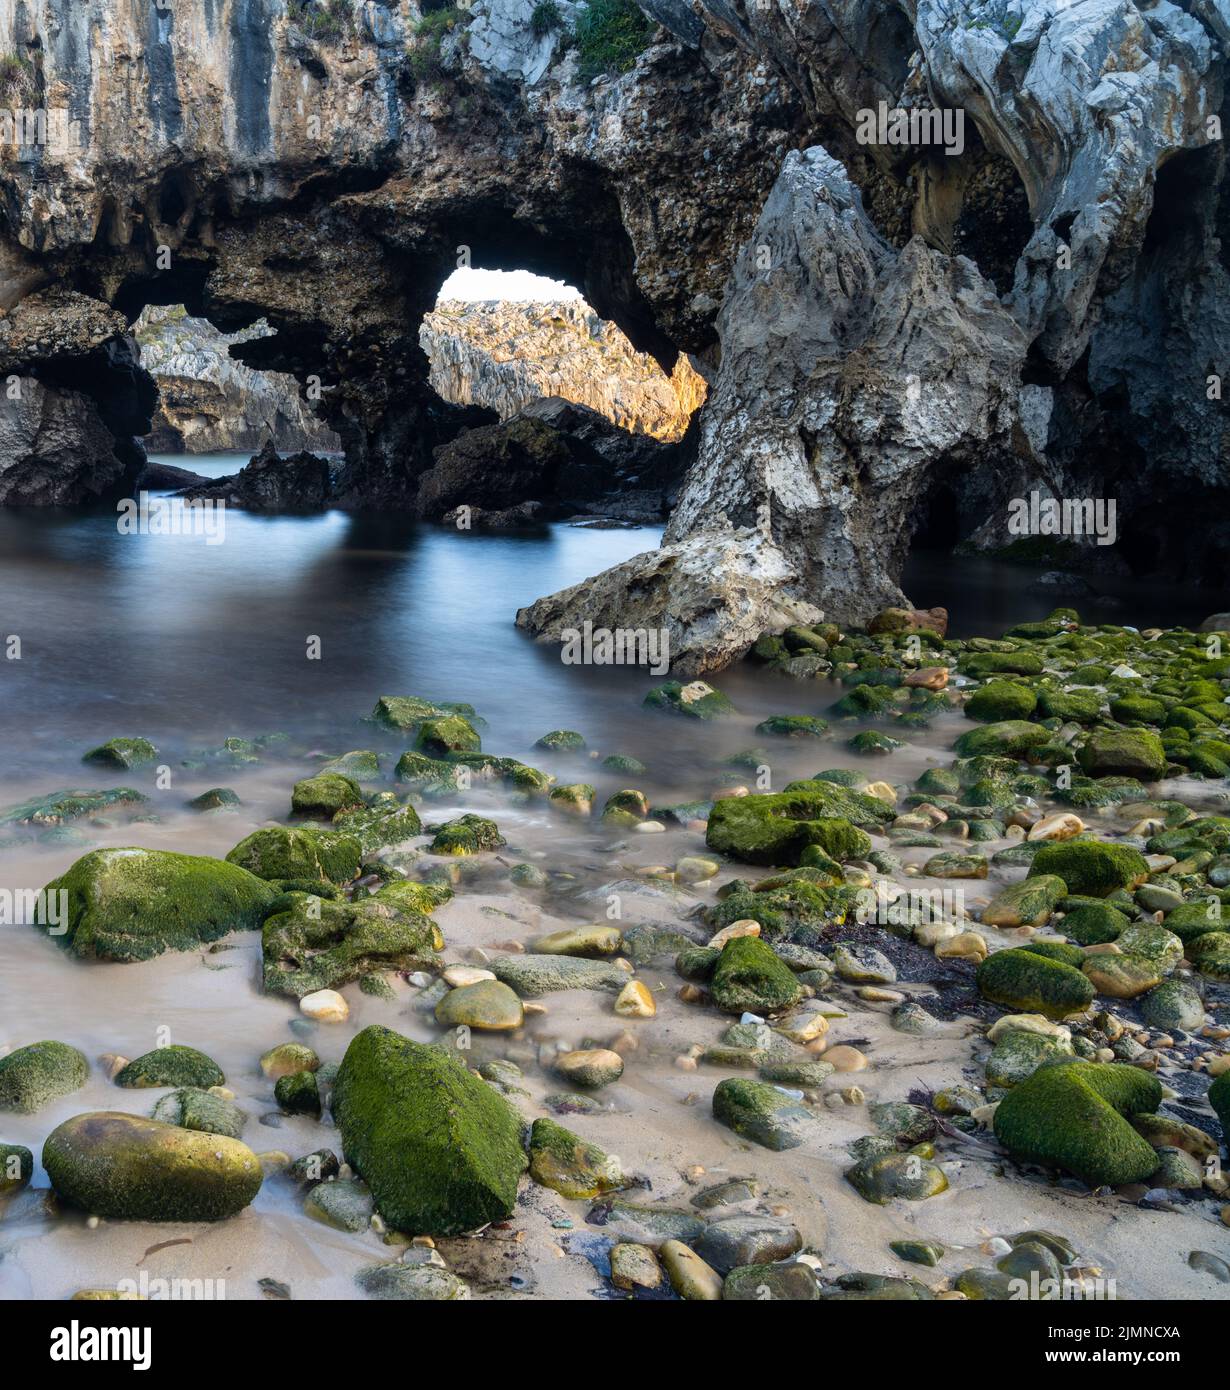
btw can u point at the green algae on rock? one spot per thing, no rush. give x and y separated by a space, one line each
56 808
776 828
123 753
1071 1115
134 904
280 852
192 1108
445 734
16 1168
468 834
697 700
569 1164
1123 753
1029 983
889 1176
384 821
175 1065
761 1112
561 741
749 978
314 943
126 1168
1091 868
321 797
35 1075
405 713
439 1148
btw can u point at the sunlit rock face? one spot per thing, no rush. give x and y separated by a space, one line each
209 402
1041 303
505 354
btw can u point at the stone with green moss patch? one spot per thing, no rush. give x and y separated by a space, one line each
561 741
321 797
762 1113
1123 753
468 834
299 1094
570 1165
125 1168
308 853
1028 983
1093 923
1000 700
122 753
58 808
385 822
175 1065
891 1176
793 726
1071 1115
450 733
697 700
192 1108
749 978
439 1148
133 904
774 829
35 1075
314 943
1014 737
1091 868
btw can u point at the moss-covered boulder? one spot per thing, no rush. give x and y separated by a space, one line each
774 829
749 978
1175 1003
133 904
16 1168
191 1108
406 713
887 1177
215 799
281 852
1091 868
315 943
1071 1115
696 700
1124 753
450 733
1029 983
1000 700
298 1094
1009 737
126 1168
360 765
321 797
175 1065
1210 954
1094 923
385 821
122 753
60 808
33 1076
758 1111
1194 919
439 1148
1028 903
468 834
569 1164
561 741
793 726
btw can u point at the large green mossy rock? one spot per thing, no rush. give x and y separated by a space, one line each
385 822
439 1148
323 796
763 1113
1009 737
133 904
1124 753
1070 1115
33 1076
749 978
450 733
1094 924
175 1065
1091 868
1000 700
405 713
1029 983
315 943
1028 903
467 834
282 852
123 753
1194 919
360 765
775 829
126 1168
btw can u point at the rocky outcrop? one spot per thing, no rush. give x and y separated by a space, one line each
505 354
208 402
553 459
301 482
1046 301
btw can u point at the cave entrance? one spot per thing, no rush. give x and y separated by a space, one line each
565 416
506 340
214 411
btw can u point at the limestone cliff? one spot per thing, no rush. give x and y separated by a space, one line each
505 354
209 402
1043 301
